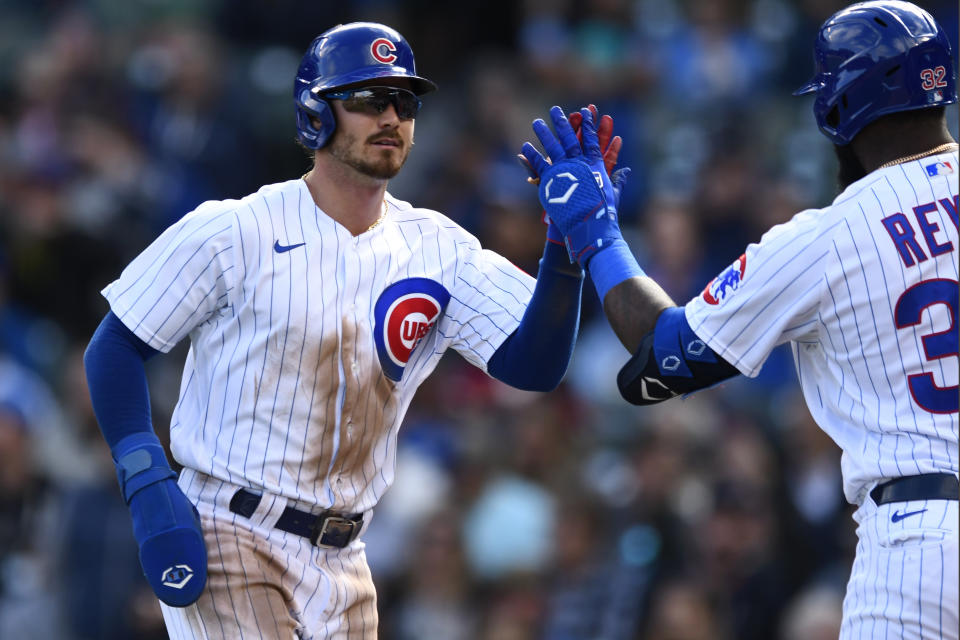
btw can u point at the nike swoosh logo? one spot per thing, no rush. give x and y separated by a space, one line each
897 516
279 248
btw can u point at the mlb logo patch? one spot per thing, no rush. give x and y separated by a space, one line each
939 169
721 287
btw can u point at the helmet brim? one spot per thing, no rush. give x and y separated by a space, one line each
373 75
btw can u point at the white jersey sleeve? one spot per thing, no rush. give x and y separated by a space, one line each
182 280
487 304
768 296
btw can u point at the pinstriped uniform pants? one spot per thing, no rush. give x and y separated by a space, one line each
903 584
266 583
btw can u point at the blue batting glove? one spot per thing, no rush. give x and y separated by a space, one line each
590 147
618 180
608 146
575 190
535 163
166 525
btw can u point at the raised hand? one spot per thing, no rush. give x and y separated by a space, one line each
576 192
535 163
610 144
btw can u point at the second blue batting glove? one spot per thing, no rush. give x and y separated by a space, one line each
575 191
609 145
529 157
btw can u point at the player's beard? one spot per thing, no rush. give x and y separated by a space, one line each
382 164
849 170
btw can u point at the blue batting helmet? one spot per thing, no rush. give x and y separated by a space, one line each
348 54
875 58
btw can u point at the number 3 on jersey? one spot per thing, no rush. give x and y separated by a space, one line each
907 313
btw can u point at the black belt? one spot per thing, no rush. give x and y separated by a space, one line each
324 529
930 486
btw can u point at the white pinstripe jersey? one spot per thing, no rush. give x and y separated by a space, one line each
285 387
866 291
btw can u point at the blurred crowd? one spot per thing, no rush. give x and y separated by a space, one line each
515 516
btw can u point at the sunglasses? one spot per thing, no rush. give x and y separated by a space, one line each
375 100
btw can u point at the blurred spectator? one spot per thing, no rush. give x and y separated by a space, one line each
18 482
512 610
421 489
568 515
599 574
56 268
815 614
435 600
675 251
27 572
198 143
507 529
579 584
743 572
710 58
102 593
681 610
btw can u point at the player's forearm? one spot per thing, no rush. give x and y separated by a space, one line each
632 308
632 301
535 356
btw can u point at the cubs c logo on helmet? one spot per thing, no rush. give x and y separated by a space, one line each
726 283
405 312
383 50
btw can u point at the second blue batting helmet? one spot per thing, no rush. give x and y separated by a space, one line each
875 58
348 54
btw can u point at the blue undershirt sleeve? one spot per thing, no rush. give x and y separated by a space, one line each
535 356
117 380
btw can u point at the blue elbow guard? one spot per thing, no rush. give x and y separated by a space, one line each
672 360
675 344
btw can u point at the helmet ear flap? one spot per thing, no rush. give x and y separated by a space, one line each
308 109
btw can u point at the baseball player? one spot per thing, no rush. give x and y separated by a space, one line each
865 290
314 309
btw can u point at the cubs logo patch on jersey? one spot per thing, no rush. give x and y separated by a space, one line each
404 313
726 283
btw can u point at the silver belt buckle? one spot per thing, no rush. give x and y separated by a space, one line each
335 532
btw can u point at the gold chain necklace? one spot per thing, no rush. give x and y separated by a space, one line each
929 152
380 219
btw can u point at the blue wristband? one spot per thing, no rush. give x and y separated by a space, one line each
140 462
611 266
